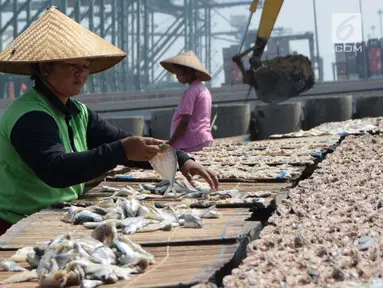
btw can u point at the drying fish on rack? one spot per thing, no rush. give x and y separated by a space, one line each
154 191
284 171
180 189
200 191
131 216
259 171
354 126
103 258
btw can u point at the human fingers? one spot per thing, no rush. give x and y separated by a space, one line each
152 149
153 141
214 178
189 177
205 175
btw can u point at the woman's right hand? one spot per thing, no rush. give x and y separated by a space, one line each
141 148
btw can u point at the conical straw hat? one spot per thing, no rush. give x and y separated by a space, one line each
188 59
55 37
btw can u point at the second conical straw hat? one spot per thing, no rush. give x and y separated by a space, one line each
56 37
188 59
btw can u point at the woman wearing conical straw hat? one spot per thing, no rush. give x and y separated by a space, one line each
190 126
50 144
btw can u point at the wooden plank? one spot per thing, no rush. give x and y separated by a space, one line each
41 227
174 265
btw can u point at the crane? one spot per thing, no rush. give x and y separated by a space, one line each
278 79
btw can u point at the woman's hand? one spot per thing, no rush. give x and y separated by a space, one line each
191 168
141 148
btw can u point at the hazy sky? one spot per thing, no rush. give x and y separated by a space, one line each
296 15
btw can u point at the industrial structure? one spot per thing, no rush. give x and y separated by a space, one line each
358 61
132 25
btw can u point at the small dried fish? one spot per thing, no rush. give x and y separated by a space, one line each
166 226
134 224
86 216
21 254
191 221
20 277
11 266
69 215
210 212
91 283
165 164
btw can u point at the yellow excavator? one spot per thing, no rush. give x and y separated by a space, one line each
278 79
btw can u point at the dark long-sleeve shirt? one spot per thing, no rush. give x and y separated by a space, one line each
35 137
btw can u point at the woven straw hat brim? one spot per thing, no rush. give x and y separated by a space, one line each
96 65
187 59
56 37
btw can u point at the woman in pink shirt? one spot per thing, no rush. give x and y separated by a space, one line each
190 127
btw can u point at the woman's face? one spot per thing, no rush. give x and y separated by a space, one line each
66 77
184 75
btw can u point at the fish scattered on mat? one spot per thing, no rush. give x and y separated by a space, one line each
131 216
90 261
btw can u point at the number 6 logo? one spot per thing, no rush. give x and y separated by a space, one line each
345 26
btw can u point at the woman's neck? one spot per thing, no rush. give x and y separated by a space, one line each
46 84
62 98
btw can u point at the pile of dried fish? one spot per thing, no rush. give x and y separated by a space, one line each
329 232
354 126
131 216
180 189
249 172
103 258
269 159
185 191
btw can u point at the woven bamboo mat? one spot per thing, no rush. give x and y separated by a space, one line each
174 266
41 227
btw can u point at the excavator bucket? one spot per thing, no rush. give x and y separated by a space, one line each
279 79
282 78
273 88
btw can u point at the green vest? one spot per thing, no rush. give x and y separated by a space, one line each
22 192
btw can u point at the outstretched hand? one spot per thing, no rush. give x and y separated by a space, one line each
191 168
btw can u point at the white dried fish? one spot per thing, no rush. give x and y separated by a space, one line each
165 164
134 224
21 254
20 277
69 260
210 212
91 283
191 221
11 266
86 216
